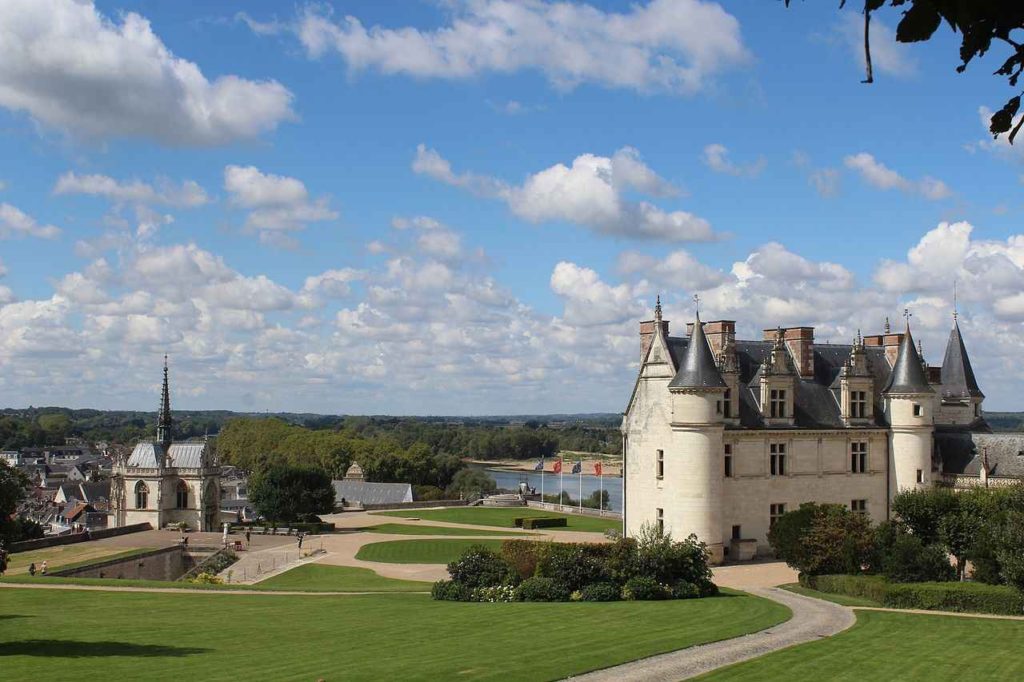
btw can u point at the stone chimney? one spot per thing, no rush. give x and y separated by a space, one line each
647 335
800 341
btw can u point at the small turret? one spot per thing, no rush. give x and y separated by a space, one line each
908 375
698 368
910 406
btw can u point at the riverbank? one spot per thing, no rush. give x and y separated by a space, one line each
609 469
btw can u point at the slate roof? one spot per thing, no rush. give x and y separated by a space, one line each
961 452
698 368
371 493
908 375
179 455
93 491
957 374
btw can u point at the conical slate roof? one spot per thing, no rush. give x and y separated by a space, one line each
698 368
957 376
907 374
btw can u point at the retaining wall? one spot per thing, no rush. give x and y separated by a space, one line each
56 540
166 563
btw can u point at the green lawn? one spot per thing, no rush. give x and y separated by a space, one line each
213 637
420 551
492 516
327 578
836 598
67 556
897 646
416 529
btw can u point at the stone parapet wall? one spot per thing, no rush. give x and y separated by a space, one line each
27 545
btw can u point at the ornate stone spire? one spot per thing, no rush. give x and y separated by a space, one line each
164 421
657 308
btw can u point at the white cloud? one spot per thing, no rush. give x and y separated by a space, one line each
588 300
69 67
275 203
16 223
674 46
188 194
333 283
888 57
590 193
716 157
678 270
825 181
878 175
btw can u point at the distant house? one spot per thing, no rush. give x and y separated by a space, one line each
355 491
12 457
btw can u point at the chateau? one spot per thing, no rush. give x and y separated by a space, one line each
164 482
722 436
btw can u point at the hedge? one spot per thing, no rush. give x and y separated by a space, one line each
532 522
952 596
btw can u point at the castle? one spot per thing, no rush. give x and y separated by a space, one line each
722 436
163 482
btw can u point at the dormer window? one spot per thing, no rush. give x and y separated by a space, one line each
858 404
777 403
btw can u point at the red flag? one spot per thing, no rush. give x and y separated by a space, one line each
558 466
597 468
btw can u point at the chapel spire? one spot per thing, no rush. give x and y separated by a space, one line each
164 421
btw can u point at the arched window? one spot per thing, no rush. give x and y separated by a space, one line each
181 495
141 495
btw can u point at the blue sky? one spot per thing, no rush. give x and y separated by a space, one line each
465 207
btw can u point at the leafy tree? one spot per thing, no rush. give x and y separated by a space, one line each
470 482
980 23
922 510
14 486
786 536
285 493
1011 550
838 541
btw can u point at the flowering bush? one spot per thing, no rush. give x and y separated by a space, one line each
495 594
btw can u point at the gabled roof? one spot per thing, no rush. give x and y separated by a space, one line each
908 373
963 452
957 375
365 492
179 455
698 368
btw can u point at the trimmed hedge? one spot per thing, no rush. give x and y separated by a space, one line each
942 596
541 589
532 522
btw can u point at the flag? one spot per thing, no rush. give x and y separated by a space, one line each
540 465
597 469
577 467
558 466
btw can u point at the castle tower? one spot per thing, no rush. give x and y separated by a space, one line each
961 397
697 394
910 405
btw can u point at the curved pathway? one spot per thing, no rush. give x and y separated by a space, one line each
812 619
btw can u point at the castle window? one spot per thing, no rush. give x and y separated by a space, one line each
858 404
777 403
728 403
736 533
141 495
858 457
778 459
977 409
661 464
917 409
859 506
181 495
920 476
718 407
660 521
728 461
775 512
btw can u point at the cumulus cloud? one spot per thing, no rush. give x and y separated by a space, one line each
16 223
825 181
716 157
880 176
678 270
591 193
187 194
276 203
675 46
116 78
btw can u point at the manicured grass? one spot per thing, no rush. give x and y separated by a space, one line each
416 529
338 579
835 598
369 637
897 646
66 556
420 551
492 516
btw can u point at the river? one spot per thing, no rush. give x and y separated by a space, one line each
509 480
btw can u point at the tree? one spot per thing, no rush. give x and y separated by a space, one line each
286 493
14 486
470 482
979 22
923 510
786 536
1011 550
823 538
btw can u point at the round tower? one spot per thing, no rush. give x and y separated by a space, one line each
910 407
698 391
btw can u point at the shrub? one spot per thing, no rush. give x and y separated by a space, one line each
644 588
685 590
206 579
495 594
574 565
922 510
428 493
601 592
659 557
480 567
942 596
1010 553
541 589
523 555
903 558
449 590
864 586
786 536
529 523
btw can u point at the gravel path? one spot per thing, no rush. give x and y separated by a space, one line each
812 619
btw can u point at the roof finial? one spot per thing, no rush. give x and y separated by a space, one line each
955 312
657 308
906 316
696 304
887 328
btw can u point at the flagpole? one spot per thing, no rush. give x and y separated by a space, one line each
561 487
600 495
542 481
581 486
